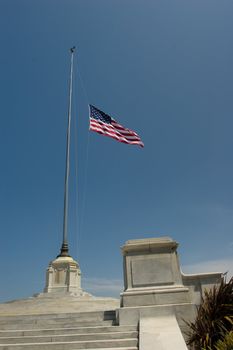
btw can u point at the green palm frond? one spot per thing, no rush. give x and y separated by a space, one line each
214 317
226 343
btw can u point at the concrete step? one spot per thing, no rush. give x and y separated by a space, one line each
91 315
69 338
49 325
92 344
63 331
58 320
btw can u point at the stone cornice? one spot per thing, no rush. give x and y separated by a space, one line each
149 244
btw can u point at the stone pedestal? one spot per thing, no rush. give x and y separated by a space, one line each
63 275
152 273
154 286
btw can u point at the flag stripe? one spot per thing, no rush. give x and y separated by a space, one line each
104 124
105 131
110 132
110 128
118 126
121 139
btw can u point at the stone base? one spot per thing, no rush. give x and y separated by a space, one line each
180 312
132 315
63 275
155 296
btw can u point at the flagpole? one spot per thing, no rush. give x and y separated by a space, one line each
64 247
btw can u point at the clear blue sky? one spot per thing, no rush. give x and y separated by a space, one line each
163 68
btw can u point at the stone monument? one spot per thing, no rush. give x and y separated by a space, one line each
63 275
157 295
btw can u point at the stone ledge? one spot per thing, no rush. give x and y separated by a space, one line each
149 244
155 290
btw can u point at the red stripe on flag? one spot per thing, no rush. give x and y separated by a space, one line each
109 127
108 130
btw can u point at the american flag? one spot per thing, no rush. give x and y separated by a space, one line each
106 125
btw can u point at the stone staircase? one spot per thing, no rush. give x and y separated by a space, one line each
79 330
